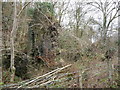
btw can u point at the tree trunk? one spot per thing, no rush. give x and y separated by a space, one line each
118 47
80 81
109 63
104 35
109 55
1 46
13 32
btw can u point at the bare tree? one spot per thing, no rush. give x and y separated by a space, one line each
79 17
61 8
109 10
13 36
12 43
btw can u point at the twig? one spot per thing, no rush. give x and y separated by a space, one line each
23 8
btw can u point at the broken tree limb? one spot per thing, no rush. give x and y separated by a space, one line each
50 73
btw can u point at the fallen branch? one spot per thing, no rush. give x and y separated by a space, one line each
49 74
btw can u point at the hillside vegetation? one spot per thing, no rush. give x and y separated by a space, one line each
53 45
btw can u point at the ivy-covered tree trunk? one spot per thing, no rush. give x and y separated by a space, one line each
43 32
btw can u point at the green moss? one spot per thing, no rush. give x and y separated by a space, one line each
1 83
103 80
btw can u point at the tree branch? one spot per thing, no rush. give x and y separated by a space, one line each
23 8
112 19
